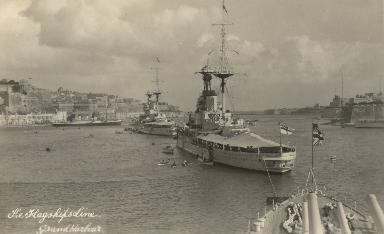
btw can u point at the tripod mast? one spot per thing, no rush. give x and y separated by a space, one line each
223 71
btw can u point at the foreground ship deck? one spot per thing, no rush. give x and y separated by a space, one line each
317 213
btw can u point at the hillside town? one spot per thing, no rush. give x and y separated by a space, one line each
22 103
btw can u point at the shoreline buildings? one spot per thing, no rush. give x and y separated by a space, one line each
24 104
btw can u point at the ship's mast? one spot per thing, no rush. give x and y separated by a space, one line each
115 107
157 91
106 109
223 71
342 89
342 98
207 73
313 151
149 95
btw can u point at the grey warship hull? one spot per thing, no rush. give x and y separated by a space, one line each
265 158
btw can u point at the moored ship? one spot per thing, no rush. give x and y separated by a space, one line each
72 121
87 123
154 122
213 134
362 123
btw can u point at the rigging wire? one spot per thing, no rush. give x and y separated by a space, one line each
230 97
270 179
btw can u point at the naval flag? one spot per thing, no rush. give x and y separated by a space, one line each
284 129
317 135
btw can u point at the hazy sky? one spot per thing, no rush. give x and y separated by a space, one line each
291 51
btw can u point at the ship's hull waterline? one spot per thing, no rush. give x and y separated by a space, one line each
160 131
265 162
373 124
87 124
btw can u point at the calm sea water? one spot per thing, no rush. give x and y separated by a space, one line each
116 176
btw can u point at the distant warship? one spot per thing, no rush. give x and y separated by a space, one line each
89 123
153 121
214 135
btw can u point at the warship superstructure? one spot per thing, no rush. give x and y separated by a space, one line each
153 121
213 134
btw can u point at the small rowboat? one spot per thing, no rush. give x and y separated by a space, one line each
163 163
185 163
332 158
169 149
205 161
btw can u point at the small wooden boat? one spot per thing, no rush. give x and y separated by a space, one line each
164 163
185 163
169 149
333 158
205 161
130 129
251 122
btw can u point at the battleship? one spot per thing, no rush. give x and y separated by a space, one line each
154 122
213 134
316 209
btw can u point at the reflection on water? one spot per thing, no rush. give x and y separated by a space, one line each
116 175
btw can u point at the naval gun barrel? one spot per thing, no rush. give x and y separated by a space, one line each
378 215
342 219
305 218
315 226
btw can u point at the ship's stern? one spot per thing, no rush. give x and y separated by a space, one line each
283 164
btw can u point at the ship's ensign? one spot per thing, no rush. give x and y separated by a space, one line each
284 129
317 135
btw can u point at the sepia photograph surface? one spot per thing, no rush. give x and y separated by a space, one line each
191 116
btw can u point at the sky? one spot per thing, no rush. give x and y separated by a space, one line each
291 53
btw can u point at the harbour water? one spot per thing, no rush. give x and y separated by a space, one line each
117 176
